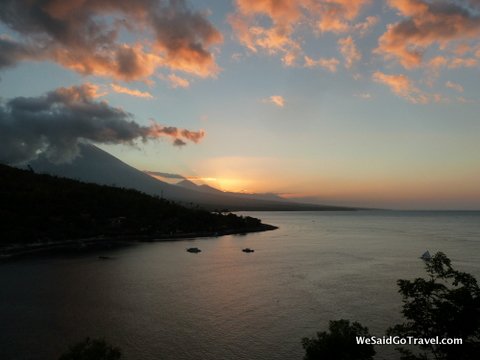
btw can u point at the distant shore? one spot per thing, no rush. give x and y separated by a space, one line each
18 251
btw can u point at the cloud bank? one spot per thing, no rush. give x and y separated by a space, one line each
55 123
425 24
84 36
287 17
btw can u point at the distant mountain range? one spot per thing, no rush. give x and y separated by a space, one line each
211 190
187 184
97 166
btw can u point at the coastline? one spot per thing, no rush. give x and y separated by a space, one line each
76 246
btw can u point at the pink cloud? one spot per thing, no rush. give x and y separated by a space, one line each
349 50
277 100
463 62
76 35
328 64
132 92
402 86
362 28
177 81
424 24
454 86
286 17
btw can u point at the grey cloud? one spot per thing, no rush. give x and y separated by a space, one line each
77 35
179 142
12 52
55 123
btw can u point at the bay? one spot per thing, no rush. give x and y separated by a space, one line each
157 301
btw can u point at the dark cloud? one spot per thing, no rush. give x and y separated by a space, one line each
55 123
179 142
83 35
11 52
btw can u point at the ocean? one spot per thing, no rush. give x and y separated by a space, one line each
157 301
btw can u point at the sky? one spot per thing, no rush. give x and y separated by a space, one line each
364 103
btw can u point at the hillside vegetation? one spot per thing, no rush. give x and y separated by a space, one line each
38 208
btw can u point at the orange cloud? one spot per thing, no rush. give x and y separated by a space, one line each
277 100
282 11
440 99
274 39
155 131
425 24
435 65
439 62
177 81
462 49
123 63
328 64
336 15
286 17
362 28
79 94
402 86
454 86
460 62
76 35
131 92
349 50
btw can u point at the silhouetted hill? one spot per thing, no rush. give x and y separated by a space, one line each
187 184
97 166
208 188
43 208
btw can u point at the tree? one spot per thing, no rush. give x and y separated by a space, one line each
96 349
339 344
447 305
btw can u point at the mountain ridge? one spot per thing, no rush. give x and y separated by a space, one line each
98 166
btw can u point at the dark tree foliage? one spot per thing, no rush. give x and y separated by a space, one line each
96 349
447 305
41 208
339 344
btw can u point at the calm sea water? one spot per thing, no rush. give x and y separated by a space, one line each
156 301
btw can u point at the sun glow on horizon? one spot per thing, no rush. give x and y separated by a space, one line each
225 184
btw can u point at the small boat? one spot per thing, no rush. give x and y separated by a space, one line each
102 257
426 256
194 250
248 250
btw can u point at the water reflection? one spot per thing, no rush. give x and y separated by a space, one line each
156 300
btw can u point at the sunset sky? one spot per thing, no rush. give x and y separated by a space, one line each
366 103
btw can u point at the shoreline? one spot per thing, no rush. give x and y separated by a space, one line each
77 246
